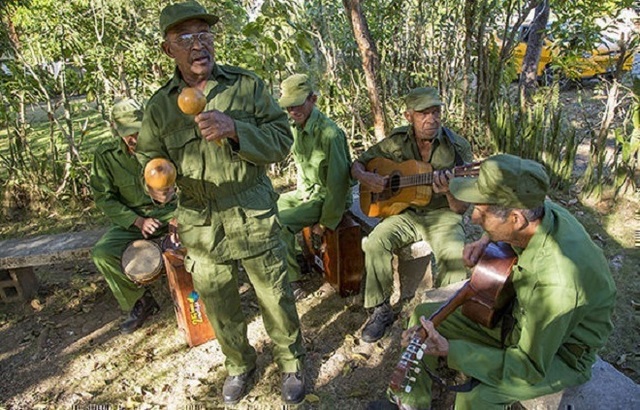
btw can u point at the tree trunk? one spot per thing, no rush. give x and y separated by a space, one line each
370 63
529 76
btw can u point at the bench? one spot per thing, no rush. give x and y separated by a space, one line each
411 262
18 257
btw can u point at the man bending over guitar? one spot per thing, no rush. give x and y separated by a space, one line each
561 314
436 219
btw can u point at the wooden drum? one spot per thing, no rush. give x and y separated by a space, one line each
142 261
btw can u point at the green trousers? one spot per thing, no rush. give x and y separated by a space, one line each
217 284
441 228
483 396
107 256
295 214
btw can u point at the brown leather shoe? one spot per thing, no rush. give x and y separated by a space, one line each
145 306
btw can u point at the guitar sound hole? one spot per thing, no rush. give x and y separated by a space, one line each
394 183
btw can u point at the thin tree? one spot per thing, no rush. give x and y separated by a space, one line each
370 64
529 76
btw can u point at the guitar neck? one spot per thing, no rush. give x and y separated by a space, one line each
461 296
469 170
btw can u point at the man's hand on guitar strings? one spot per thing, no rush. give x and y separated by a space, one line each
473 251
435 344
441 181
375 182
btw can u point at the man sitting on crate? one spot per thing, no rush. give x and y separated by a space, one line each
564 298
322 159
439 222
116 181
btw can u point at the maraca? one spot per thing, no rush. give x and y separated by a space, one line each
159 174
191 101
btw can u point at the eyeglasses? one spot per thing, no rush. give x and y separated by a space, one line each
187 40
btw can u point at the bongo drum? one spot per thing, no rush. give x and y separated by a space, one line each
142 261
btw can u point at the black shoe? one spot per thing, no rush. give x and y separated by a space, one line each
293 387
235 387
144 307
381 318
298 292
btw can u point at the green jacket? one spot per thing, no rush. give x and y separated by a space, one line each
117 186
565 296
401 146
322 160
223 186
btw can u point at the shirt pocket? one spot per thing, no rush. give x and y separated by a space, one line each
129 189
184 147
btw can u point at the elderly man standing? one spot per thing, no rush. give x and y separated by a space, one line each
564 297
227 213
119 193
322 159
439 222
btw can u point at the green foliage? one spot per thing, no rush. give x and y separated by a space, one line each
101 50
539 133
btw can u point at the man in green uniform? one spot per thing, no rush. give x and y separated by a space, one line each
564 296
119 193
227 213
439 222
322 159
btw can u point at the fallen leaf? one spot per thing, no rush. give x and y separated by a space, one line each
312 398
36 305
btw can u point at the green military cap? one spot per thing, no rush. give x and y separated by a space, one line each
295 90
126 117
422 98
504 180
177 13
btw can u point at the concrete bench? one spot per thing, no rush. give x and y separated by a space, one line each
18 257
607 389
411 263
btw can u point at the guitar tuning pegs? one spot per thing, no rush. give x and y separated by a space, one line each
407 389
419 354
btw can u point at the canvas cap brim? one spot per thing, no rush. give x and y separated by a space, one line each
428 105
466 189
129 129
209 18
290 101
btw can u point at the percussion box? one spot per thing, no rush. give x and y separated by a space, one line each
337 254
190 313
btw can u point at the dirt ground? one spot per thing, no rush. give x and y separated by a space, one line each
63 349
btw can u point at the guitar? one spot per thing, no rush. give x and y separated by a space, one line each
484 298
409 183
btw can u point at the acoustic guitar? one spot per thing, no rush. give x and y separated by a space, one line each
409 183
484 298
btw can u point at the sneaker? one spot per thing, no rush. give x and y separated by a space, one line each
145 306
293 388
298 292
235 387
381 318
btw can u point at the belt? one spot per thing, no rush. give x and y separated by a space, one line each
572 354
576 350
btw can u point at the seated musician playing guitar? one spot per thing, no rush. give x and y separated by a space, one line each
439 221
561 313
